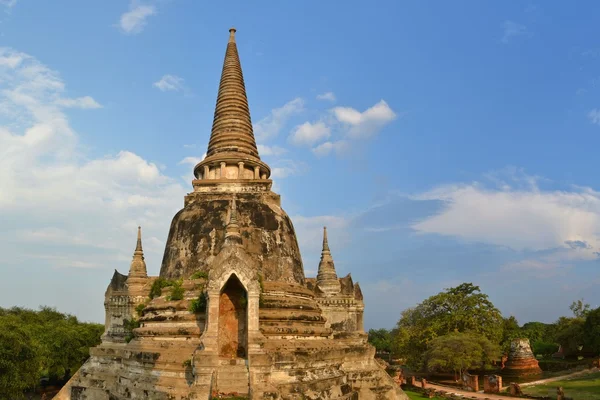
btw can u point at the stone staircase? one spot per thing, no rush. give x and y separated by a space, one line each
233 378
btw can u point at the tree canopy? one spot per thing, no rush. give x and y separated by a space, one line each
462 309
460 352
44 343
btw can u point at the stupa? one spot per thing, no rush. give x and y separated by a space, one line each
232 313
521 360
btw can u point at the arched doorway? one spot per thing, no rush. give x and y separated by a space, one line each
233 320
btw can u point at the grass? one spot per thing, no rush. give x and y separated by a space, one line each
585 387
418 396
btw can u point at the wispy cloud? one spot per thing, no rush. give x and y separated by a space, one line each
271 125
170 83
46 174
511 30
309 133
328 96
594 116
517 214
8 3
285 168
192 160
265 150
337 147
367 123
134 20
85 102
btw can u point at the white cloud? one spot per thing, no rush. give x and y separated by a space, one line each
518 215
265 150
367 123
594 116
8 3
271 125
134 20
308 133
512 29
169 83
326 148
192 160
328 96
56 195
284 168
85 102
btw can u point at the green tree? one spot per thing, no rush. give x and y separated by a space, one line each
460 309
570 335
510 331
381 339
459 352
591 328
19 359
579 308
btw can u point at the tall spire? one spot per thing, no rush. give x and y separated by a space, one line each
137 269
232 137
327 279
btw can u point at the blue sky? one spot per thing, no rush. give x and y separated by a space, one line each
440 142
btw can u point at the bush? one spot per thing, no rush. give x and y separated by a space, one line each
176 292
544 348
157 287
199 275
129 325
198 305
140 309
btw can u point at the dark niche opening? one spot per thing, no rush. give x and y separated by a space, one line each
233 320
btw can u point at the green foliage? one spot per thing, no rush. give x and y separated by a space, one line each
187 363
139 309
381 339
129 325
460 309
198 305
20 361
544 349
199 275
459 352
157 287
177 291
569 334
591 328
243 300
41 343
579 308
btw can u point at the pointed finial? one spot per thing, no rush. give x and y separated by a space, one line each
232 31
138 265
138 246
325 242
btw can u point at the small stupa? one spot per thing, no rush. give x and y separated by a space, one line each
521 360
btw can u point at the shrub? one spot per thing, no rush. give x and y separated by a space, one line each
129 325
158 285
199 275
140 309
176 292
187 363
198 305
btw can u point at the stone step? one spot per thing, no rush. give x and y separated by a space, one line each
233 377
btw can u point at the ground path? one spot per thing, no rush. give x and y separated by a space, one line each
481 395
